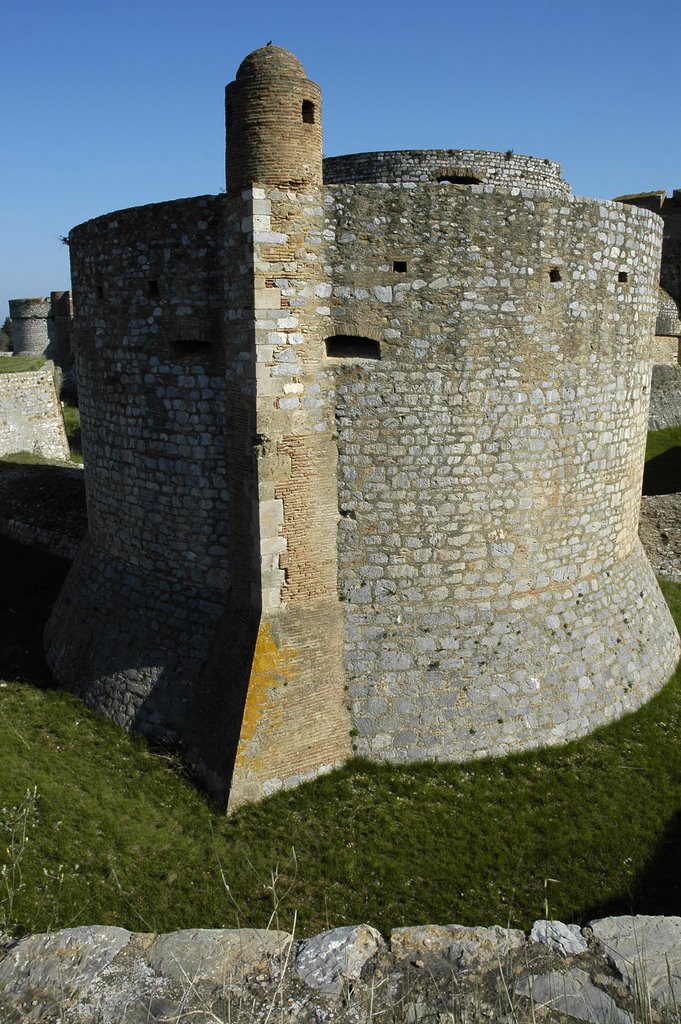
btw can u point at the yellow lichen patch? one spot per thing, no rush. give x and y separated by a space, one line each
272 668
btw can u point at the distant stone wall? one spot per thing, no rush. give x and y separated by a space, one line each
30 414
665 397
666 350
669 208
29 325
506 170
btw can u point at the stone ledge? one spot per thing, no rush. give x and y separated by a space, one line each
611 970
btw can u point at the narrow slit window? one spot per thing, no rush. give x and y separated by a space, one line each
348 346
100 291
623 277
152 289
308 112
554 274
400 266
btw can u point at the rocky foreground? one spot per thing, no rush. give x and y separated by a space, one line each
617 970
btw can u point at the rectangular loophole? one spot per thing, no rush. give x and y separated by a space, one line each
623 277
347 346
191 347
400 266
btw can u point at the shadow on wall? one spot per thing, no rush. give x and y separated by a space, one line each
31 581
158 656
662 475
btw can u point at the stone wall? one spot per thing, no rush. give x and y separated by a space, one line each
665 397
669 208
30 414
29 325
490 467
134 624
505 170
615 970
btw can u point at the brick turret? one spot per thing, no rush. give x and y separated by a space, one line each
274 124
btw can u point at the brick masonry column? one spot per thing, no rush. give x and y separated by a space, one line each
295 723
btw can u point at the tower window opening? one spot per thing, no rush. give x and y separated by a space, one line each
348 346
308 112
152 289
623 277
400 266
458 179
100 291
191 347
554 274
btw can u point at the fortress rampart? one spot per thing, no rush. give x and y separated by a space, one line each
363 458
446 166
29 323
30 415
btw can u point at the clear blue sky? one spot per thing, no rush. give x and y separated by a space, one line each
120 103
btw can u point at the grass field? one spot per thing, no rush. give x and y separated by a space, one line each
96 828
21 364
116 835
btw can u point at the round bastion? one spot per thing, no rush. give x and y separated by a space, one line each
29 325
363 456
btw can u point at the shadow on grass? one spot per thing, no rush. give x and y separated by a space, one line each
657 889
30 583
662 474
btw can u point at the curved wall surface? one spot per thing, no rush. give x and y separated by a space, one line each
490 467
134 622
29 325
504 170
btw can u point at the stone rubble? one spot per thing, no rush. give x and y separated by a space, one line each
613 971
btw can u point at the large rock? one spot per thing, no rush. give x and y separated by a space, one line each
564 938
328 961
57 967
646 951
463 946
572 993
215 956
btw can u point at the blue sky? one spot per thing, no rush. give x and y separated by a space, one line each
119 103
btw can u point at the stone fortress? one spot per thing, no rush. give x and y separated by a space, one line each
364 446
665 403
30 414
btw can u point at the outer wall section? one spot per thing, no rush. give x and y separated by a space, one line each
508 170
29 323
30 414
490 467
134 623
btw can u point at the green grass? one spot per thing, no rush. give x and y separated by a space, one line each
71 415
660 441
120 837
29 459
21 364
